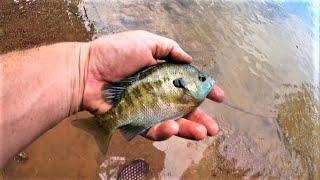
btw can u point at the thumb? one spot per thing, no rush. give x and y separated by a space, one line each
169 49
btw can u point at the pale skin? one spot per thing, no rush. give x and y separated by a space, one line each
41 86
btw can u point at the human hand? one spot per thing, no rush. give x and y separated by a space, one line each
117 56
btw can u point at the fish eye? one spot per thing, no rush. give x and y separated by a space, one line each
202 78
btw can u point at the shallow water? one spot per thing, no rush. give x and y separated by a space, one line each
263 54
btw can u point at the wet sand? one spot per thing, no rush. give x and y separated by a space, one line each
67 152
251 50
26 24
299 119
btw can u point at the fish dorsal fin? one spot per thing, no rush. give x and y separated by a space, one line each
129 132
112 92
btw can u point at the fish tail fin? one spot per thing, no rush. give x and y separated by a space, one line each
103 141
102 135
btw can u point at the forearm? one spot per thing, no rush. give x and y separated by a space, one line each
38 88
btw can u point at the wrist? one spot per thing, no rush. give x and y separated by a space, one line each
80 71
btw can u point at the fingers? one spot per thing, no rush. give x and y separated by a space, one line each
196 127
216 94
163 131
181 127
168 49
191 130
201 117
177 54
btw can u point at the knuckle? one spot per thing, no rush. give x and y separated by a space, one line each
143 32
173 43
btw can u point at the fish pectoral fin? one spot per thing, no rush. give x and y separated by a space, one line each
129 131
91 126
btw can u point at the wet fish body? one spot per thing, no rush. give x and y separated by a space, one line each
161 92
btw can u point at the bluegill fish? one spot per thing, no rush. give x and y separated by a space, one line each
158 93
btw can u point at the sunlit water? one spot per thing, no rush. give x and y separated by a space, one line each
265 55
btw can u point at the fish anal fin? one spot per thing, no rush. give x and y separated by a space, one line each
129 131
101 135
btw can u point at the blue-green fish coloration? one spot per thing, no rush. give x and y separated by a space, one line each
161 92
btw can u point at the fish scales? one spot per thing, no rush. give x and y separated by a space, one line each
161 92
155 95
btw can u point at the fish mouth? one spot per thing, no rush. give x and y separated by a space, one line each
212 83
211 87
211 79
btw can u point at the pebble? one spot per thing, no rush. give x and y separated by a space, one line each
1 32
21 157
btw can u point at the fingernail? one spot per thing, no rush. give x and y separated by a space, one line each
219 93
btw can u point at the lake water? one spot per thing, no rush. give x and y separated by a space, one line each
265 55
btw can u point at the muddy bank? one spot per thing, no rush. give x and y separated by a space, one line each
67 152
299 119
25 24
